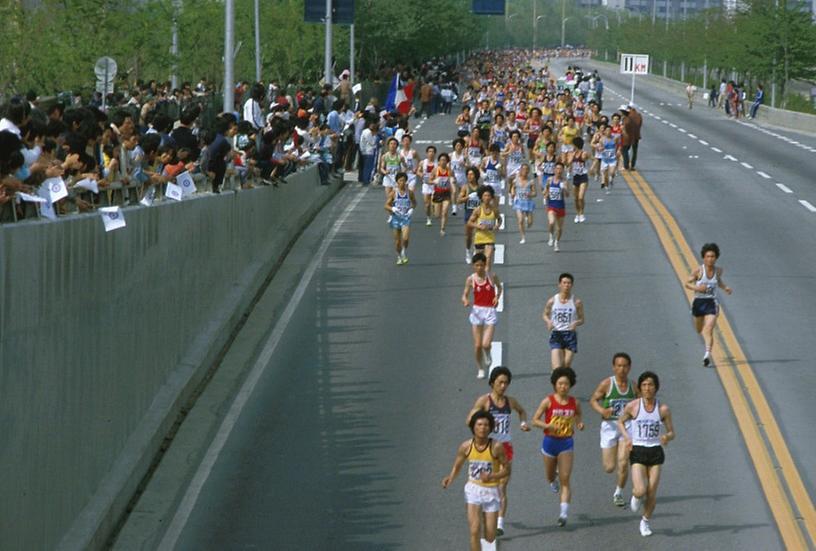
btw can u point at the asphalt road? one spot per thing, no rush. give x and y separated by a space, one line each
348 433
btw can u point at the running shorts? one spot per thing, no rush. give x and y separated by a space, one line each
486 497
607 166
610 435
427 189
524 205
483 315
560 213
389 180
580 179
567 340
440 196
647 456
553 447
399 222
508 450
704 307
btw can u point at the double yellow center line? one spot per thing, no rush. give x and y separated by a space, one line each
781 482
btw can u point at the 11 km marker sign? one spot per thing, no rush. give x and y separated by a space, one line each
634 64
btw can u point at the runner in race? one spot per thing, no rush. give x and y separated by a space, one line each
463 122
532 128
469 197
610 155
390 164
563 314
609 399
425 170
475 151
458 164
400 203
484 222
580 179
410 160
486 292
705 280
513 155
493 170
444 189
647 415
522 192
555 192
559 414
498 132
501 407
487 467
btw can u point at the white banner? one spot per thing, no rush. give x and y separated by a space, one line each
185 181
173 192
46 208
31 198
113 218
89 184
56 189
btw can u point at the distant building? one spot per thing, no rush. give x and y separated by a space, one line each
678 9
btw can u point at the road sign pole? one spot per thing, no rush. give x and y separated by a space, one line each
327 61
351 55
632 95
229 37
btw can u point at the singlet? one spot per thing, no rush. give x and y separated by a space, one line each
645 428
481 461
484 292
408 160
616 399
515 158
442 183
499 135
579 165
492 168
523 189
563 314
569 134
392 163
402 203
608 151
487 235
427 169
465 125
711 283
472 203
548 165
535 129
503 416
555 197
457 164
617 133
563 415
474 153
484 120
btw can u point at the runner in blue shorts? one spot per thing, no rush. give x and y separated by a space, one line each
563 313
400 203
705 280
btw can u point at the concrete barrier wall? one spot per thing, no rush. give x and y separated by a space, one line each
777 117
104 336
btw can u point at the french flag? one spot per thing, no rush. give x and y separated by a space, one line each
400 96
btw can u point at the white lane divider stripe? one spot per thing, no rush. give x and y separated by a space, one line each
784 188
730 158
807 205
716 150
703 142
500 305
746 165
683 130
501 200
498 254
692 136
501 226
188 502
664 121
764 175
496 353
672 125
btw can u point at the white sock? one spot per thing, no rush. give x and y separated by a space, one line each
618 490
403 251
500 524
564 509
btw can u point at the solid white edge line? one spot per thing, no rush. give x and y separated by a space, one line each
807 205
764 175
496 353
498 254
190 498
784 188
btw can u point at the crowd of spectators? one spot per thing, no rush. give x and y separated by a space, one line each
141 138
732 98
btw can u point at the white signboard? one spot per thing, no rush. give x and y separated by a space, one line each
634 64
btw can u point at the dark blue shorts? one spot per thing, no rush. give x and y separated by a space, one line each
704 307
567 340
580 179
554 447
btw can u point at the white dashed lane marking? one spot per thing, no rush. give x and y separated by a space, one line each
746 165
807 205
498 254
716 150
784 188
703 142
763 174
496 353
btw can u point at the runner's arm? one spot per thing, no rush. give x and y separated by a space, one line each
413 199
597 396
665 416
628 413
721 284
547 314
389 201
522 413
579 310
466 292
472 222
499 289
538 417
461 456
579 416
691 281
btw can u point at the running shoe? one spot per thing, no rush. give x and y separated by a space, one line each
453 210
607 190
404 259
428 222
634 504
522 241
550 241
645 529
577 219
399 261
467 257
556 248
499 531
555 486
618 500
480 374
562 521
442 233
706 360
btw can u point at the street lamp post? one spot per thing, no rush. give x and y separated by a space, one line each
535 28
564 28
